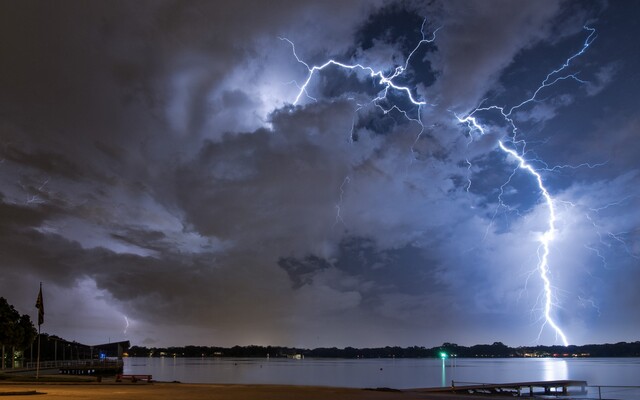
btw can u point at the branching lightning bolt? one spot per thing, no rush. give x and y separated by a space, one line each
385 80
548 236
516 150
35 199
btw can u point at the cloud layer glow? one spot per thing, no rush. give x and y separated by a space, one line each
156 177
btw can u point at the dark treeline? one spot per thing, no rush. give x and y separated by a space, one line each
16 334
496 349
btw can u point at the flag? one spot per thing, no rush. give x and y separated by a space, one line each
40 307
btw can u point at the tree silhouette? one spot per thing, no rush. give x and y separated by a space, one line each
16 331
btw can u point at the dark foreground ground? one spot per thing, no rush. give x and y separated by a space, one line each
50 385
173 391
88 388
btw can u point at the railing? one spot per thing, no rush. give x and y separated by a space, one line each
600 392
75 363
606 392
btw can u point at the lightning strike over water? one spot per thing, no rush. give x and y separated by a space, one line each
472 121
547 237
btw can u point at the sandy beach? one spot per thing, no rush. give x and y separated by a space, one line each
190 391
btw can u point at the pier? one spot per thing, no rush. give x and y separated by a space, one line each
520 389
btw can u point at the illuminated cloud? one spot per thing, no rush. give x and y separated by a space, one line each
154 168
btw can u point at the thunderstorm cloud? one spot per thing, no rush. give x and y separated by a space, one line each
157 177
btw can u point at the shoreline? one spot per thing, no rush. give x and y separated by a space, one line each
140 390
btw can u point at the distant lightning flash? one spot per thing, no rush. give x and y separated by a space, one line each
339 205
386 80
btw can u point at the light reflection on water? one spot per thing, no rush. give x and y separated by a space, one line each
393 373
554 369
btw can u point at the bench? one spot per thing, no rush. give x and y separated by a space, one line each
133 378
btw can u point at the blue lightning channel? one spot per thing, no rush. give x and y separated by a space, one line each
471 120
386 81
553 77
547 237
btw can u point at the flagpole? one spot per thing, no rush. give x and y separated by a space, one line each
40 307
38 363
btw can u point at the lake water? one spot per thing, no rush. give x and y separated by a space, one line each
395 373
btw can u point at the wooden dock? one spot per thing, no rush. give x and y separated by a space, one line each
520 389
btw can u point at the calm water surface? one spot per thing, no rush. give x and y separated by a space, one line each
394 373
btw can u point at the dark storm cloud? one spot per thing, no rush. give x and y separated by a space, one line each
45 161
154 172
385 270
470 64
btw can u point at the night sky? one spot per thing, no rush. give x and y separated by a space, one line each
158 179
